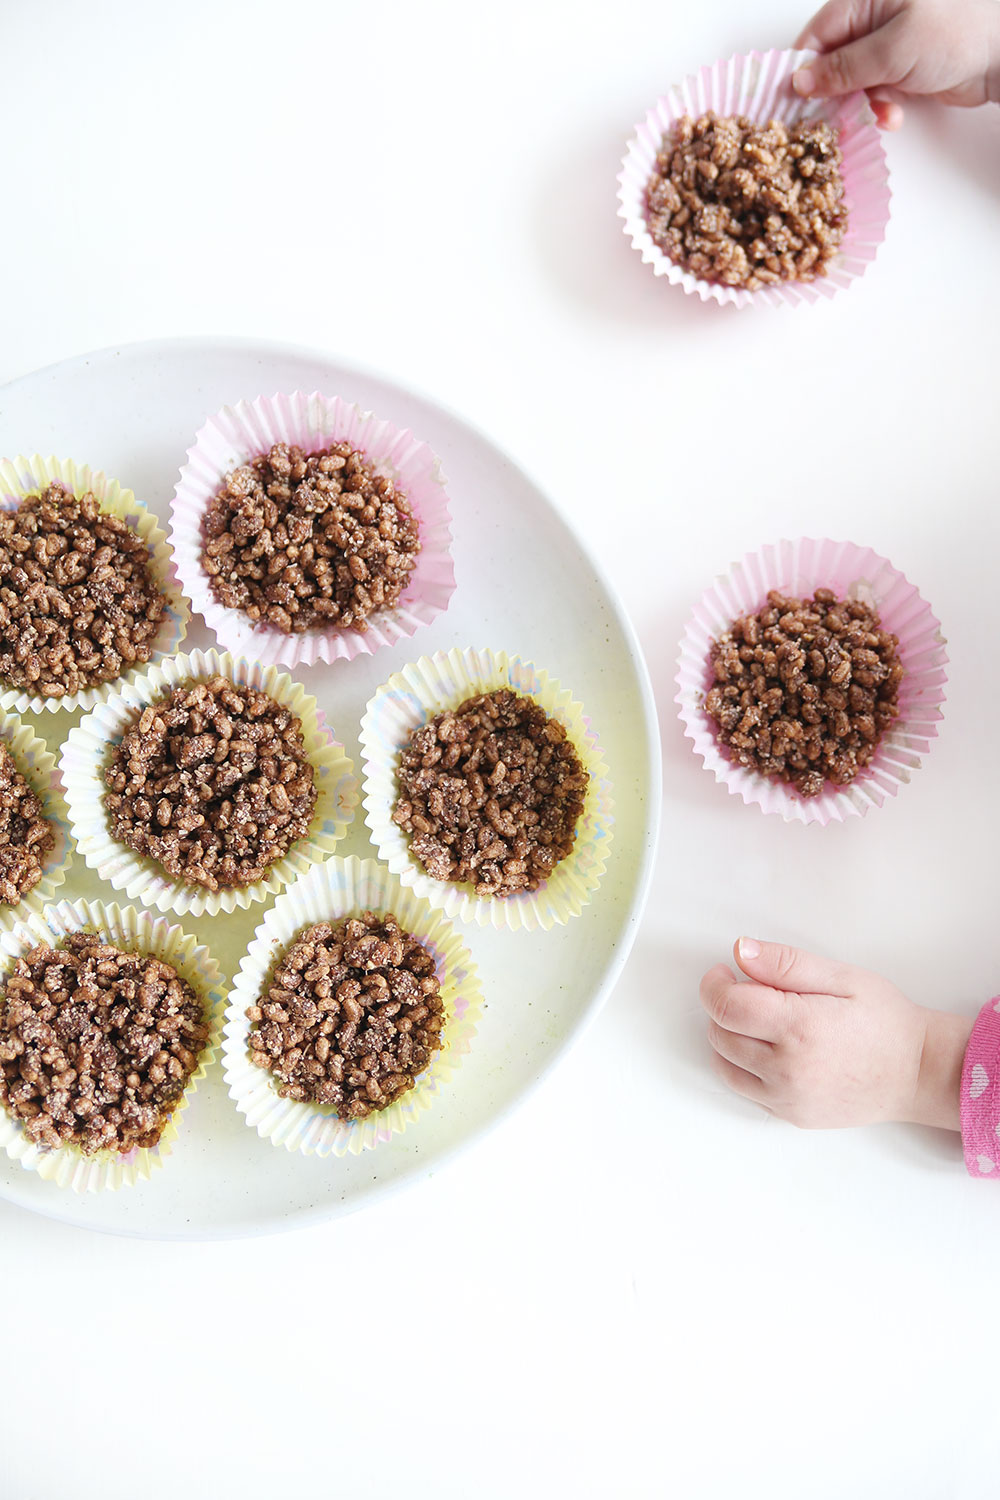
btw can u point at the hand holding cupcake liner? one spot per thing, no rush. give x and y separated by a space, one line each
758 85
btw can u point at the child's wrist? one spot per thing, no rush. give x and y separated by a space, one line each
937 1096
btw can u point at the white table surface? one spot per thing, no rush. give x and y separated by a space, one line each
637 1286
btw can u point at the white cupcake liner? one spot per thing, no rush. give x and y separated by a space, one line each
442 681
329 893
37 765
85 756
797 569
135 931
759 86
239 433
20 477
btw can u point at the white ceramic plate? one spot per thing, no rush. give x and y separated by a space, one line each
524 584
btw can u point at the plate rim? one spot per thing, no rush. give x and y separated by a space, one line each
330 1211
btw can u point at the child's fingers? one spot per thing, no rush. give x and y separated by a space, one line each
786 968
740 1080
887 110
746 1052
864 64
838 22
749 1009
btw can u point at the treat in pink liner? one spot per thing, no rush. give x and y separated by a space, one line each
307 530
823 249
837 716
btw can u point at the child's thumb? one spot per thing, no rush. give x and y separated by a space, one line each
863 64
785 968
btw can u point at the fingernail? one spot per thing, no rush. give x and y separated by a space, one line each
804 81
749 948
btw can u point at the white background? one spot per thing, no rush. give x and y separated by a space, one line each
637 1287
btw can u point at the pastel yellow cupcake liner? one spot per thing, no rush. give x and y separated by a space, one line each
133 931
37 765
329 893
443 681
21 477
88 748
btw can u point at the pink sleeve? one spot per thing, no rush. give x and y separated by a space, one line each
981 1094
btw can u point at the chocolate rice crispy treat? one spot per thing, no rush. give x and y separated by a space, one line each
213 782
490 792
748 205
78 601
96 1045
26 835
297 541
352 1014
805 689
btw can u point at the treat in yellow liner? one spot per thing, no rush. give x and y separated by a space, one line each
212 781
490 793
522 845
143 824
349 1014
134 1010
34 822
92 607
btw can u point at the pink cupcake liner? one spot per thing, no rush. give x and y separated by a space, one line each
238 433
797 568
759 86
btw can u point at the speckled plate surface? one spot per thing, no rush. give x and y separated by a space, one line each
133 412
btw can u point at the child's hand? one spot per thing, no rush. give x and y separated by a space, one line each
946 49
822 1044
